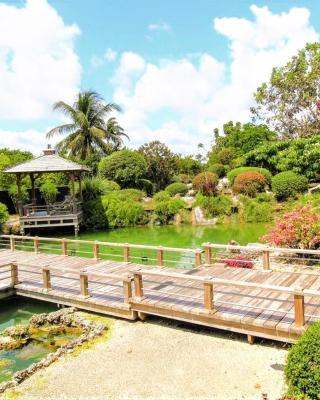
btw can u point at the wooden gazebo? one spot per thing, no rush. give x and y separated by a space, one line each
65 213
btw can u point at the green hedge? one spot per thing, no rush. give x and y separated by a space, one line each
214 206
287 184
218 169
165 210
177 188
237 171
302 369
94 216
4 215
255 211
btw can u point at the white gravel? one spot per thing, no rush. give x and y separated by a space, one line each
160 360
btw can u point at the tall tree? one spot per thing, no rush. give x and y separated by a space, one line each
161 163
89 131
289 102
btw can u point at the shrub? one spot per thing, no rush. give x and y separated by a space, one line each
238 261
237 171
161 196
110 186
255 211
94 216
297 229
184 178
13 193
214 206
92 188
49 192
249 183
288 184
4 215
165 210
206 183
302 369
122 208
218 169
126 167
177 188
146 186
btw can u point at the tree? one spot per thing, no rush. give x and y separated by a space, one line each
188 165
289 101
161 165
88 132
126 167
237 140
9 158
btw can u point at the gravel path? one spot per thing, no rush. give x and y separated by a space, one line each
160 360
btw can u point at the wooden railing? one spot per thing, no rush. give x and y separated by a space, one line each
141 254
210 283
62 208
261 257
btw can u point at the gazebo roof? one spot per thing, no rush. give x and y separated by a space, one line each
50 161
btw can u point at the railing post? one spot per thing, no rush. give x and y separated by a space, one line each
266 260
208 253
96 251
14 274
160 256
64 247
299 317
84 285
138 286
208 295
46 279
36 244
127 289
126 252
198 258
12 243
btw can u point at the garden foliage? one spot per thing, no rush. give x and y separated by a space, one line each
205 183
177 188
165 210
4 215
214 206
49 191
249 183
237 171
288 184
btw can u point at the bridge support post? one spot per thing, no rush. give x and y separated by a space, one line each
126 253
208 295
46 279
138 286
208 253
14 274
160 256
127 289
299 317
84 286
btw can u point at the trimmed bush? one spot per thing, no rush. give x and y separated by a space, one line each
218 169
255 211
302 369
167 209
126 167
94 216
214 206
110 186
177 188
161 196
237 171
287 184
4 215
206 183
249 183
184 178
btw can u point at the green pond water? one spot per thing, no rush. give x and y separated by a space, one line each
181 235
18 312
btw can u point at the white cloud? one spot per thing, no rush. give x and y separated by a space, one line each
191 96
38 63
160 26
110 55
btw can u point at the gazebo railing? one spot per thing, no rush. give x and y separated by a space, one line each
30 210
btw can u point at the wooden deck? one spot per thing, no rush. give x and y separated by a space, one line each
268 304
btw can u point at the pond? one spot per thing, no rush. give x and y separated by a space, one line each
18 312
181 235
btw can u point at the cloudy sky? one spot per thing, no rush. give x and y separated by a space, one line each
178 68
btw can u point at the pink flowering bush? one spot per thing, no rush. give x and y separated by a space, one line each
297 229
238 261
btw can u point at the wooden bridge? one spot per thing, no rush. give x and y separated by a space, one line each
260 298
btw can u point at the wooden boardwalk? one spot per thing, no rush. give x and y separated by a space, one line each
268 304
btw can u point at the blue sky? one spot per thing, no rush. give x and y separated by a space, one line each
178 68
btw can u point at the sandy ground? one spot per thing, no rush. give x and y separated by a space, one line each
159 360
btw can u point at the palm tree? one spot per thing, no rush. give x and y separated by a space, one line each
89 131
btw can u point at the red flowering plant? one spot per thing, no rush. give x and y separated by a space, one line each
238 261
297 229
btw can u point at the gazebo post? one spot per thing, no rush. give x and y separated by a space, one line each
80 187
33 191
19 203
73 193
